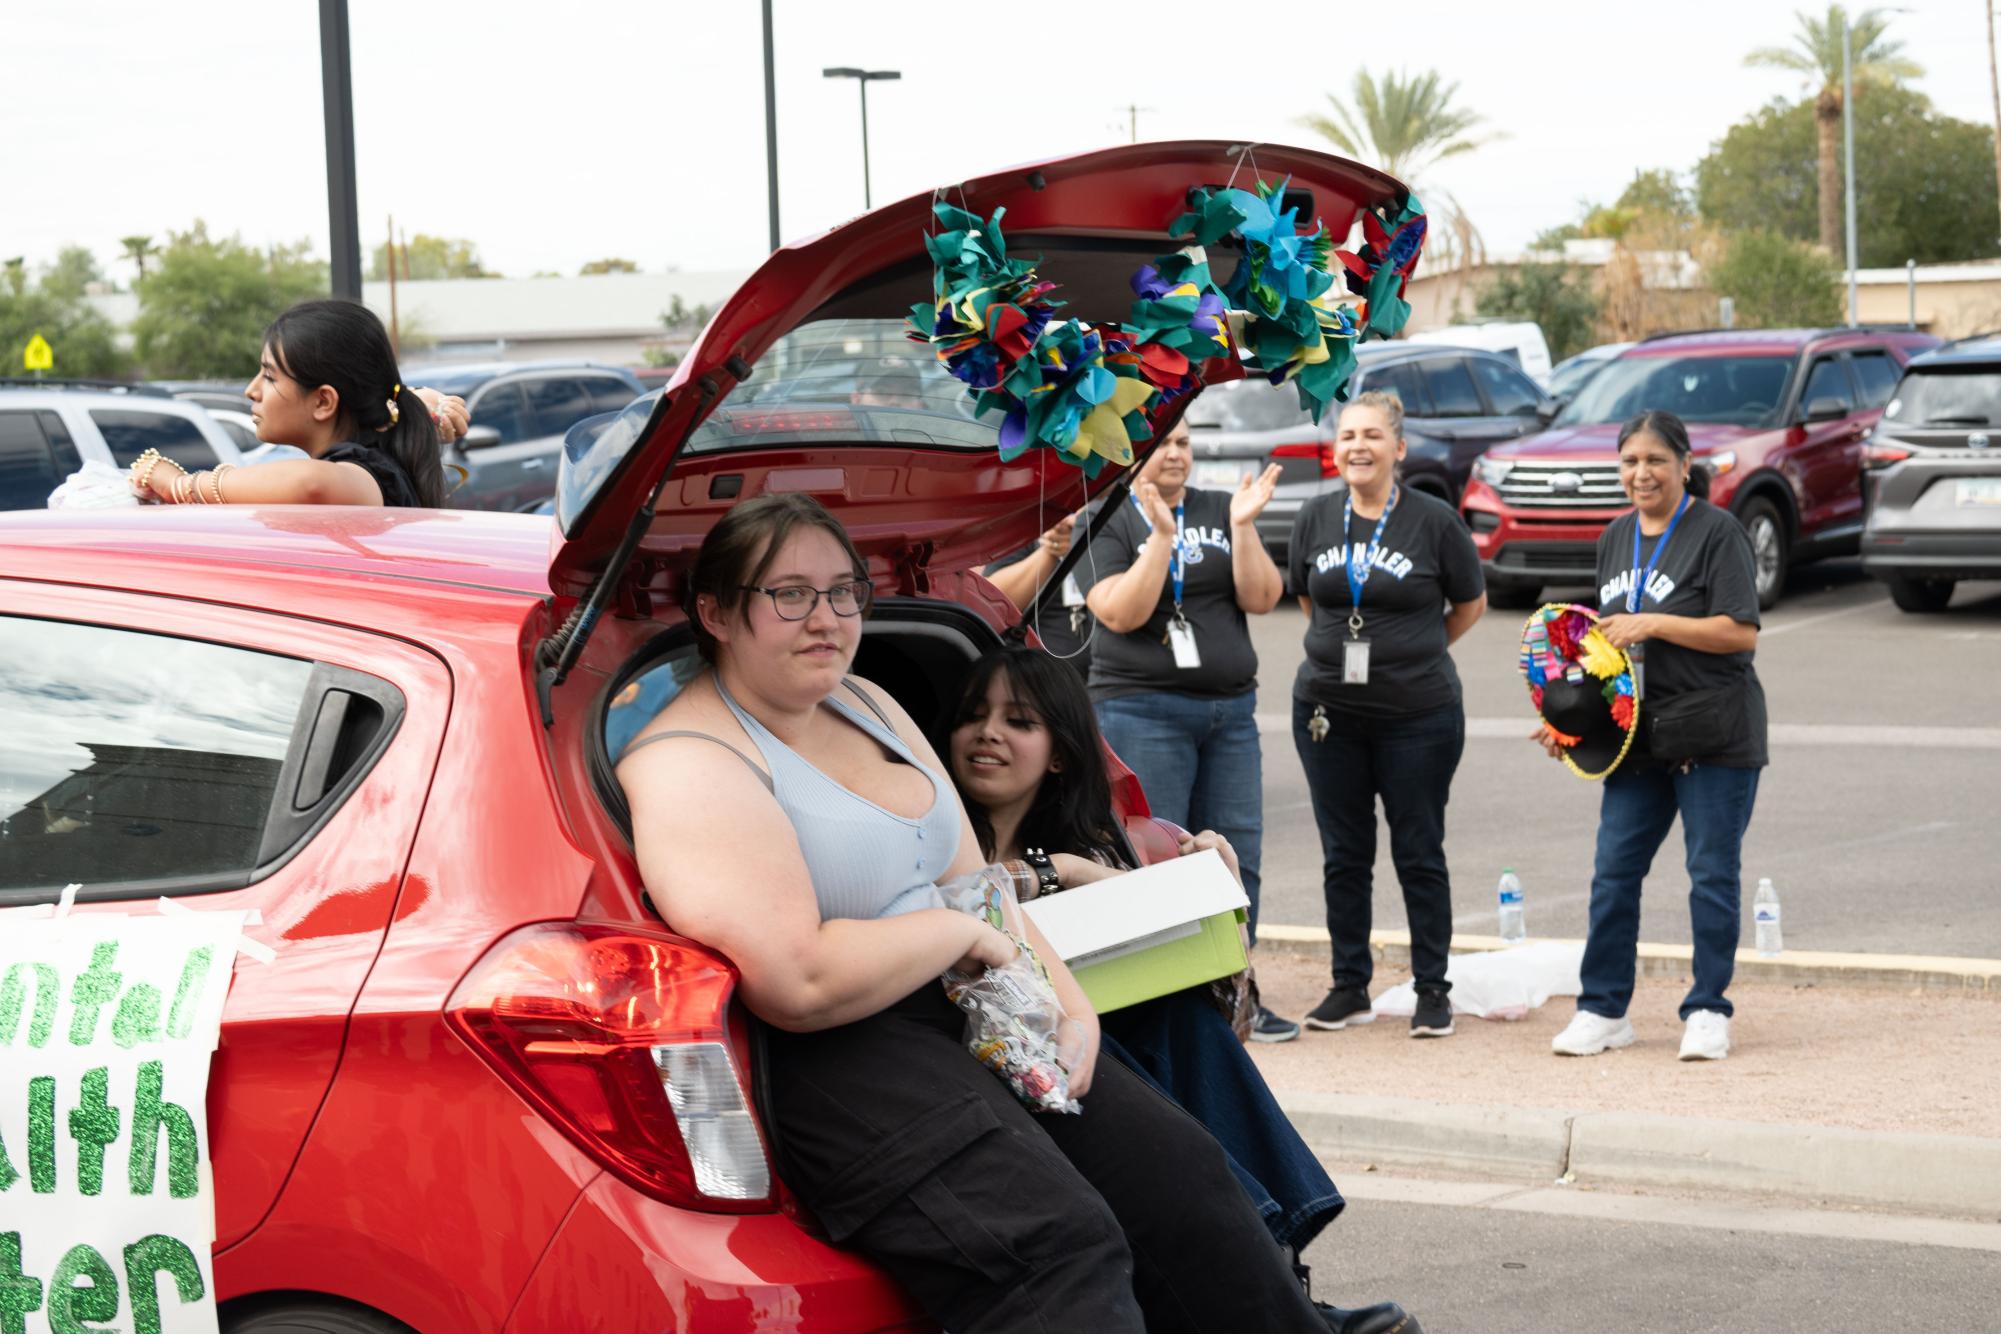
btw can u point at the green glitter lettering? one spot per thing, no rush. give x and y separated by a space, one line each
148 1258
93 1123
149 1114
20 1296
8 1176
48 994
97 1300
181 1019
42 1134
138 1017
94 988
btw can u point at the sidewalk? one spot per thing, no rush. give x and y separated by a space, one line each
1873 1085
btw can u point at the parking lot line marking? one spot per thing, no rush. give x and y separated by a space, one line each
1885 735
1784 626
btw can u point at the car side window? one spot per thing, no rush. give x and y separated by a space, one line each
1450 387
1827 380
1401 380
1509 392
1878 374
130 433
140 763
608 394
27 471
556 403
503 408
61 447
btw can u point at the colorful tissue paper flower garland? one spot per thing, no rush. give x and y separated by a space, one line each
1089 391
1557 635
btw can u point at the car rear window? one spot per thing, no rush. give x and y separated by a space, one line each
1743 391
1247 405
130 433
1947 396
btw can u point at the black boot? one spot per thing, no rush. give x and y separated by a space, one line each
1382 1318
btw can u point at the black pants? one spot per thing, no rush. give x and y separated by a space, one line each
1409 762
1123 1218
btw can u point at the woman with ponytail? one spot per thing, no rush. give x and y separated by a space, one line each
328 384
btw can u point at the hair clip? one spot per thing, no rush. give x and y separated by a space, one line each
395 413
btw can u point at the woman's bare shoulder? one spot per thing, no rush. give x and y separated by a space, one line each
698 709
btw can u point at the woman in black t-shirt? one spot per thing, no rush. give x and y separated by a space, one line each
1678 591
1389 579
328 384
1173 675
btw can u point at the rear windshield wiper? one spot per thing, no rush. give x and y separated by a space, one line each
1957 421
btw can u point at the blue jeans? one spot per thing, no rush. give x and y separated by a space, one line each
1409 763
1200 764
1634 817
1182 1045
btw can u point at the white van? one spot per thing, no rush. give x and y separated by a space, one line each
1522 343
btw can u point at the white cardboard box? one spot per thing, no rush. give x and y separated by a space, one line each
1148 932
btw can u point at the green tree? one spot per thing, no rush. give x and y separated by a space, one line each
203 311
1816 54
614 265
138 249
1924 189
427 258
1777 282
55 308
1553 295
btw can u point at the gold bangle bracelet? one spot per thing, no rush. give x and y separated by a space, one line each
215 481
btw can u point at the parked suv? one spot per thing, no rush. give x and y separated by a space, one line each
46 433
1458 402
1931 481
519 413
483 1086
1777 415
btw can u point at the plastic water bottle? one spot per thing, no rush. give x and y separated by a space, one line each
1513 929
1765 912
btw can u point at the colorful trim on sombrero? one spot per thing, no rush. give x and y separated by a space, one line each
1558 634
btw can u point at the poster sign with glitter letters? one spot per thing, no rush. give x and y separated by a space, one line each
107 1202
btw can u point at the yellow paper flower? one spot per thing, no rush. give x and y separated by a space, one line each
1597 656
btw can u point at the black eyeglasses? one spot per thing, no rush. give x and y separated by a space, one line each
795 602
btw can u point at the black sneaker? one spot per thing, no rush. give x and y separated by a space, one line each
1343 1006
1268 1027
1434 1014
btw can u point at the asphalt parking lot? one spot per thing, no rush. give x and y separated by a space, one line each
1879 820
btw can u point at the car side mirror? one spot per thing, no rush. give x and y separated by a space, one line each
479 437
1826 409
1545 411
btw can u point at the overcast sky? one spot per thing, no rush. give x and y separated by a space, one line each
551 135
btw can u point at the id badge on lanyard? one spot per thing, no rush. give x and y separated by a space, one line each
1355 649
1637 653
1180 637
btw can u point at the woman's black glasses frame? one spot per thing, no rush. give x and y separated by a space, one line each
860 592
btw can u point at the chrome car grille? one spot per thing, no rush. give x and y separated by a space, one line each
1566 485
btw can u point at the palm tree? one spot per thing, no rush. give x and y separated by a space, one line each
137 248
1406 125
1816 53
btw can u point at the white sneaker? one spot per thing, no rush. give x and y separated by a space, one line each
1590 1034
1706 1037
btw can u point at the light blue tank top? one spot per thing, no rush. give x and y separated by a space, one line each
865 861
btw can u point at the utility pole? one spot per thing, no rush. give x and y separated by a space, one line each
1848 154
337 85
1132 119
395 331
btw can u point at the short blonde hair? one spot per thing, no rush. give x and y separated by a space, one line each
1384 401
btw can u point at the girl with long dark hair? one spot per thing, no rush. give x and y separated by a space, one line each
329 384
1029 763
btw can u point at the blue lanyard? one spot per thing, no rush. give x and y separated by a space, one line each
1174 570
1358 571
1640 582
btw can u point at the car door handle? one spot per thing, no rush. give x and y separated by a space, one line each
530 465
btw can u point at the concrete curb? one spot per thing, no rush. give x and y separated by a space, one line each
1800 967
1937 1174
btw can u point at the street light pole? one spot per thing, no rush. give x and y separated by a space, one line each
863 77
337 85
1848 153
770 126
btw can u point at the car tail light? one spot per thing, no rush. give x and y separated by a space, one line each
620 1038
1882 456
791 421
1321 452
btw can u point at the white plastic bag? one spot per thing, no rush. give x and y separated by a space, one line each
1500 984
95 486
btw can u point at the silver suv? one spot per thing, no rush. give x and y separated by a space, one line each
48 431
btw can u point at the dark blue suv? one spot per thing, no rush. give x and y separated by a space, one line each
520 412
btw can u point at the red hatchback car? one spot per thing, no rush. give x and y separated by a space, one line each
1778 416
483 1086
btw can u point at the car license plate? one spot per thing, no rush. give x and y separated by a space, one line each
1221 474
1980 492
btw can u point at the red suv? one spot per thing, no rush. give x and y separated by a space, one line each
483 1086
1777 415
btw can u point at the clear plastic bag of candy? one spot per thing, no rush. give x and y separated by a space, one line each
1015 1025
